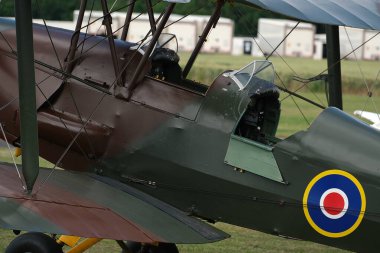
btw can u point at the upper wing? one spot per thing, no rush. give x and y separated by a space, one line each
363 14
90 206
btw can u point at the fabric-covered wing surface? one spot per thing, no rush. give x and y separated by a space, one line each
363 14
86 205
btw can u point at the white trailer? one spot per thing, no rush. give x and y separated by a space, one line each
139 28
372 47
300 43
350 39
220 37
185 31
94 21
246 46
68 25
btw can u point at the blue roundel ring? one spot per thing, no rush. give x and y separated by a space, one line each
334 203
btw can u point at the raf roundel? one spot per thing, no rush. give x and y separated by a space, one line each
334 203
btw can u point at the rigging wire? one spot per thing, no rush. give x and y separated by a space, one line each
278 76
88 21
6 41
113 5
13 158
296 77
286 63
282 41
373 87
8 104
96 107
369 92
277 54
344 57
64 124
72 97
357 61
51 40
322 74
107 36
186 15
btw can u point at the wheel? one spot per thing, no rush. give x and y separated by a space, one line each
136 247
34 243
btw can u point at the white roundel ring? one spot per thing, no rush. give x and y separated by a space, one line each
334 203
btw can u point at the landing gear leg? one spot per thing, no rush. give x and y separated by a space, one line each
136 247
34 243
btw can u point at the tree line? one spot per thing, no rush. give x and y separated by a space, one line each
245 18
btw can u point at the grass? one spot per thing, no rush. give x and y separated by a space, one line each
244 240
305 68
292 120
357 76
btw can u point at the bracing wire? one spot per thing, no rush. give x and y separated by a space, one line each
13 158
277 75
51 40
369 91
6 41
282 41
96 107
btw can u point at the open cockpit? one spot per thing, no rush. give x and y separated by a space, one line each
261 117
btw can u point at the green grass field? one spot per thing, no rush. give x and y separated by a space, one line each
244 240
354 78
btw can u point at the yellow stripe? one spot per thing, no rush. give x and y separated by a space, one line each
362 210
68 240
17 152
85 245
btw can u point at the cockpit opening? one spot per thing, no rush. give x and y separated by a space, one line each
261 117
165 63
260 120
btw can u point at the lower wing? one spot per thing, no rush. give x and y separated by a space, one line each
87 205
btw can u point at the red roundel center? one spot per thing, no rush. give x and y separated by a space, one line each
333 203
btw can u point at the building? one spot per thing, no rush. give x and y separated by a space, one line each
300 43
372 47
246 46
68 25
220 38
320 47
350 39
187 30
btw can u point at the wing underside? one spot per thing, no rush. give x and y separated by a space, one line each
363 14
89 206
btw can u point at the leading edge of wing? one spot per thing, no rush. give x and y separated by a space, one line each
364 14
90 206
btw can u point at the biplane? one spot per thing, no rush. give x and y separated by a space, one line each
374 118
148 157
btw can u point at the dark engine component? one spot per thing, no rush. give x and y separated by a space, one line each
260 120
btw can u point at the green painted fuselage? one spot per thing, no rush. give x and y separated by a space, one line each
181 143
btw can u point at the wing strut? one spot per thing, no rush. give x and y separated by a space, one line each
111 41
334 67
152 21
128 18
133 83
211 23
70 63
27 93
